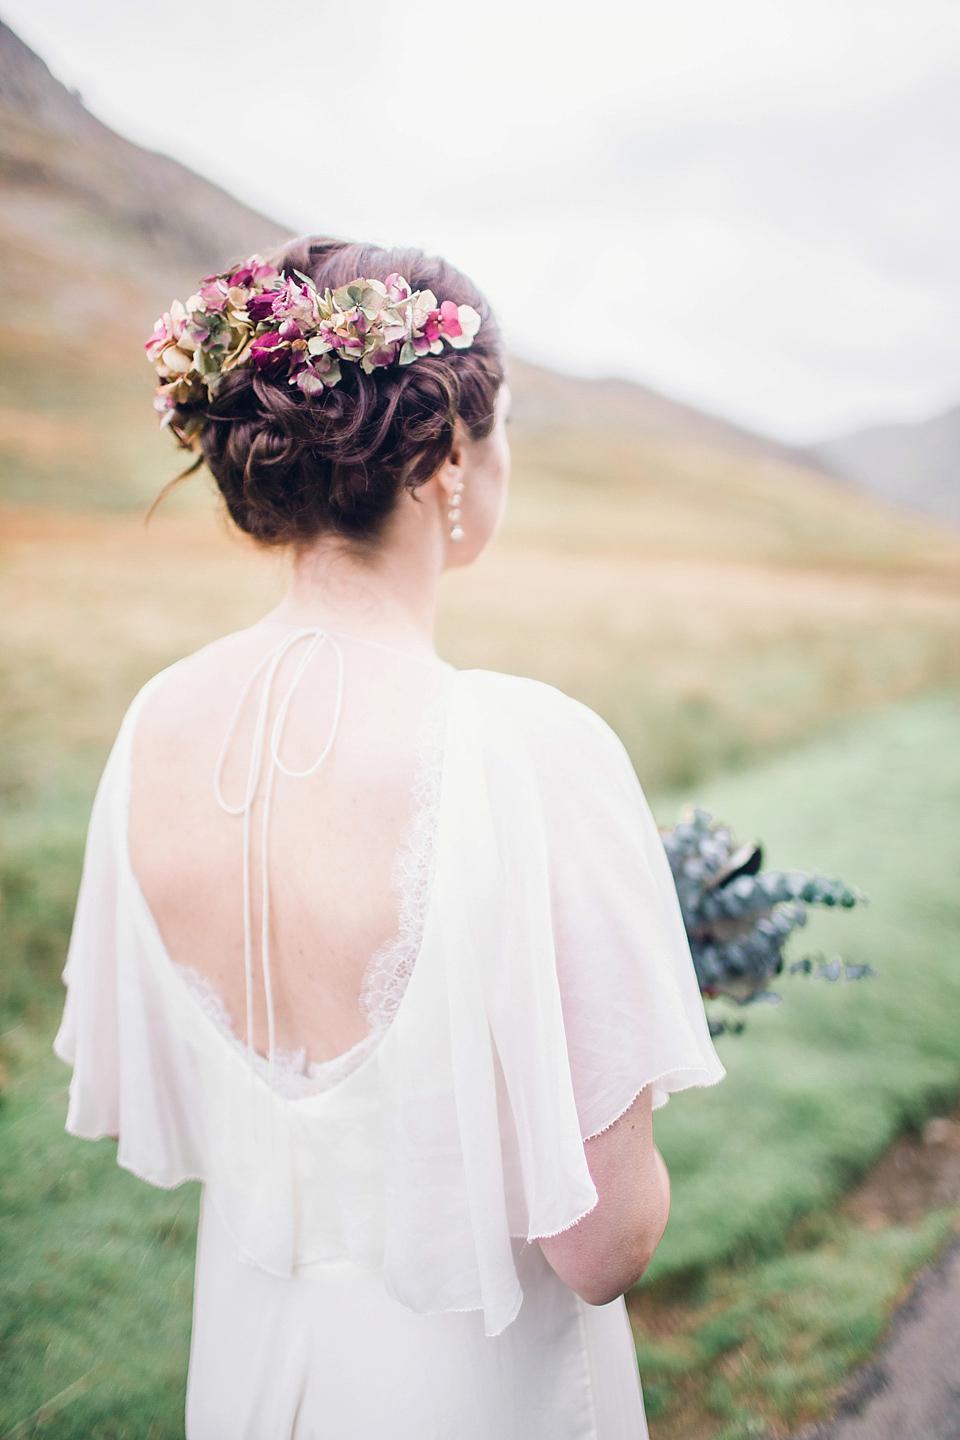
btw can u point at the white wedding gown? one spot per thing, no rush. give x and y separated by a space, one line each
367 1262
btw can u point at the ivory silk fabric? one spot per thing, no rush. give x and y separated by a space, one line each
365 1264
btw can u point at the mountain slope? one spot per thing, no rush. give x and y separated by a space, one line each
916 465
545 400
76 192
97 235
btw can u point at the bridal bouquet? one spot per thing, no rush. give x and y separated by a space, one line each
738 917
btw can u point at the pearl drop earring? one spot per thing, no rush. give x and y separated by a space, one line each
456 530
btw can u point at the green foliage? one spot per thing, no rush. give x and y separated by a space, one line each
737 917
95 1267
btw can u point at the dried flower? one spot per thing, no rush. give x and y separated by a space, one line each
283 326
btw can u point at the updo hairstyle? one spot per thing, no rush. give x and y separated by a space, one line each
292 466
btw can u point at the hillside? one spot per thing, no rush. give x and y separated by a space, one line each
98 234
916 465
544 400
83 206
710 593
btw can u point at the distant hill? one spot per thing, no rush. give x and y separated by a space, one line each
916 465
78 199
97 235
546 400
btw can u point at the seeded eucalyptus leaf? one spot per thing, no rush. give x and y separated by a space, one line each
738 917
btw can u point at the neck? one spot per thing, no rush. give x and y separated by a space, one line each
385 592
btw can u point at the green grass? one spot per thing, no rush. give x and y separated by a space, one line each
95 1268
817 1087
760 1347
96 1274
769 1295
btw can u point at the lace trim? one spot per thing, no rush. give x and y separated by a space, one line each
388 974
386 977
293 1076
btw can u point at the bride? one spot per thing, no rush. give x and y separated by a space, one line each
385 954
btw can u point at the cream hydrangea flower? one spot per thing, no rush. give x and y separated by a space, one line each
283 327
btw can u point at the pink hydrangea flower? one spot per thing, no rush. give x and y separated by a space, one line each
469 321
396 288
167 331
213 293
253 272
158 340
295 302
450 319
283 326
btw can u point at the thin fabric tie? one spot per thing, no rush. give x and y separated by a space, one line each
270 664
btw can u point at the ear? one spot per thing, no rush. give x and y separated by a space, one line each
451 473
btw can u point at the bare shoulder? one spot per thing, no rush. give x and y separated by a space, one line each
197 690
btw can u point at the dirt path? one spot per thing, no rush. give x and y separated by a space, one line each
912 1390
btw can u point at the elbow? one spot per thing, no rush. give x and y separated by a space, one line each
602 1283
601 1272
608 1250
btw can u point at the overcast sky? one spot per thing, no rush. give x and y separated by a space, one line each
751 204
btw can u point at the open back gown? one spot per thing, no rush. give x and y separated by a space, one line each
367 1263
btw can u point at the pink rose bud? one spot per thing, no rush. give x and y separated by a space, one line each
269 355
260 307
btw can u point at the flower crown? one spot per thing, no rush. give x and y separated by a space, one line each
282 326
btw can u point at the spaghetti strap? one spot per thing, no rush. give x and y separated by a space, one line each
268 668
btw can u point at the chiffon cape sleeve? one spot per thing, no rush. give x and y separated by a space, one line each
553 983
632 1012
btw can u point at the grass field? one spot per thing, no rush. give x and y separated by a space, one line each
816 1088
761 1297
764 1293
762 1345
703 657
764 639
758 678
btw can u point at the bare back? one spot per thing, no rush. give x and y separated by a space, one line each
334 836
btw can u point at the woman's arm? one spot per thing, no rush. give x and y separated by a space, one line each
608 1250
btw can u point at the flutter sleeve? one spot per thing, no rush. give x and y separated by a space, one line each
133 1071
88 1038
632 1011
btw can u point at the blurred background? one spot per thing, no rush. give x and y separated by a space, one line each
723 244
